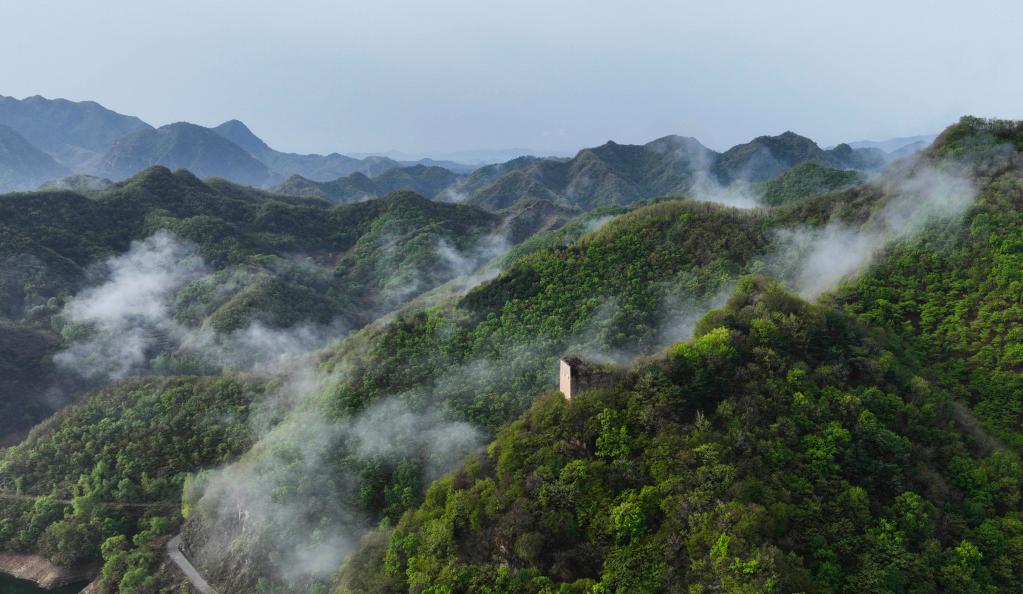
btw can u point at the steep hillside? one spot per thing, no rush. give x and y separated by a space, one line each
224 266
315 167
784 449
238 133
789 447
478 359
23 166
26 373
115 465
864 442
214 277
426 181
627 288
954 294
55 236
182 145
73 132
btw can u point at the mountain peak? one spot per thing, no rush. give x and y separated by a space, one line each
237 132
184 145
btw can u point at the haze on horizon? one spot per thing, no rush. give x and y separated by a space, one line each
323 76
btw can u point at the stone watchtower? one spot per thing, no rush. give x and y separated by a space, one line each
577 375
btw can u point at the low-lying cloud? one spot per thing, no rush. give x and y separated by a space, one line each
814 260
117 327
122 317
294 497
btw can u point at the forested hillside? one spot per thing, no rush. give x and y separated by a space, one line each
226 263
616 284
785 449
867 443
312 373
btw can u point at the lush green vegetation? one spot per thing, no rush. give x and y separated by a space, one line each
807 179
955 294
868 442
483 357
602 292
280 261
785 449
109 471
55 235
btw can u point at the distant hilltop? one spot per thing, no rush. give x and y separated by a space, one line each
44 140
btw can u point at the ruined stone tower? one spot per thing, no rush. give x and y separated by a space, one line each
577 375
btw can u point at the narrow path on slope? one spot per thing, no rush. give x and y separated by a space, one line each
179 559
121 504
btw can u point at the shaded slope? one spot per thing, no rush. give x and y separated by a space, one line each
267 264
56 235
28 386
182 145
23 166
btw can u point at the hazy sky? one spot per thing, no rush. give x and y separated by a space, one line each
443 75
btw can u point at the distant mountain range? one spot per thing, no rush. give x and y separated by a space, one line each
426 181
673 165
474 158
43 140
902 146
74 133
87 138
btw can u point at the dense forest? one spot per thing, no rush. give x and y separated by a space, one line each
778 422
866 443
